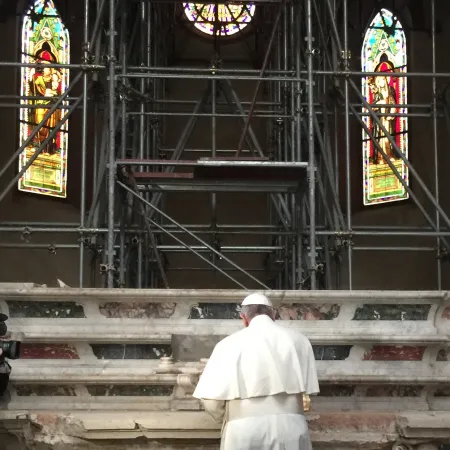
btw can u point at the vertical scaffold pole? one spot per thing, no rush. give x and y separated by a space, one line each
111 142
345 57
311 159
86 51
435 142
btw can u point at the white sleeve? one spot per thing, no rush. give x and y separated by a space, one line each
215 408
216 380
206 386
310 372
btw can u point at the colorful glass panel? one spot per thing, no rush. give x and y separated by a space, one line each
220 19
384 51
45 40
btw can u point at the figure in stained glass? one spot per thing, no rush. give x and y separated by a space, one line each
45 83
384 52
219 19
383 94
45 41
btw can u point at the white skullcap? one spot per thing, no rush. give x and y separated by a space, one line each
257 299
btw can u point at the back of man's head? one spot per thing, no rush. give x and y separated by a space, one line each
256 305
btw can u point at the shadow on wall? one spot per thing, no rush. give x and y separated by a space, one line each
25 264
10 442
392 269
20 263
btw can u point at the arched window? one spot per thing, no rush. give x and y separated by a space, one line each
45 40
384 51
219 19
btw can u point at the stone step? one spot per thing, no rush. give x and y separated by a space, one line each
143 371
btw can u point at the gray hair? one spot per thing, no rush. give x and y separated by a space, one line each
251 311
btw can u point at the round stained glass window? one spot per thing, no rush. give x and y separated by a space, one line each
219 19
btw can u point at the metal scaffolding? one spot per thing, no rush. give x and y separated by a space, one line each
311 96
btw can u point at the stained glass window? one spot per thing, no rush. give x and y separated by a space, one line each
384 52
45 40
219 19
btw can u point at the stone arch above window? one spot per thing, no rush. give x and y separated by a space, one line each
45 40
219 19
384 51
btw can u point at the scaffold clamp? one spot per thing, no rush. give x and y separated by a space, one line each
26 234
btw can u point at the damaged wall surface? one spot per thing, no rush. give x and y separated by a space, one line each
116 368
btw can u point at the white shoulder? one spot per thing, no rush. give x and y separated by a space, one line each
231 341
299 338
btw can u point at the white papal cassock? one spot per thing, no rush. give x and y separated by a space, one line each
254 382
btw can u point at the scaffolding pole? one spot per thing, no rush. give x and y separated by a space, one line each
305 99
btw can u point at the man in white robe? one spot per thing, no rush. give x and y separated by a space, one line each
254 383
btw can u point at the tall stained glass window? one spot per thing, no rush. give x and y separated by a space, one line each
45 40
219 19
384 52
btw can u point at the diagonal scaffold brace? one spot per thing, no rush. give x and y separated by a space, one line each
193 235
127 176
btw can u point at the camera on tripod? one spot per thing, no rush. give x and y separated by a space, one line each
10 350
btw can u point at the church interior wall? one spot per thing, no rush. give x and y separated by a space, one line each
374 269
22 264
371 270
393 269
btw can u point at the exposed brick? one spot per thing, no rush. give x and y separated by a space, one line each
48 351
285 312
137 310
359 422
393 391
392 312
50 310
44 390
47 419
446 313
131 351
308 312
130 390
333 390
394 353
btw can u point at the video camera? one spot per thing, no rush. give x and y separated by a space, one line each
10 350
